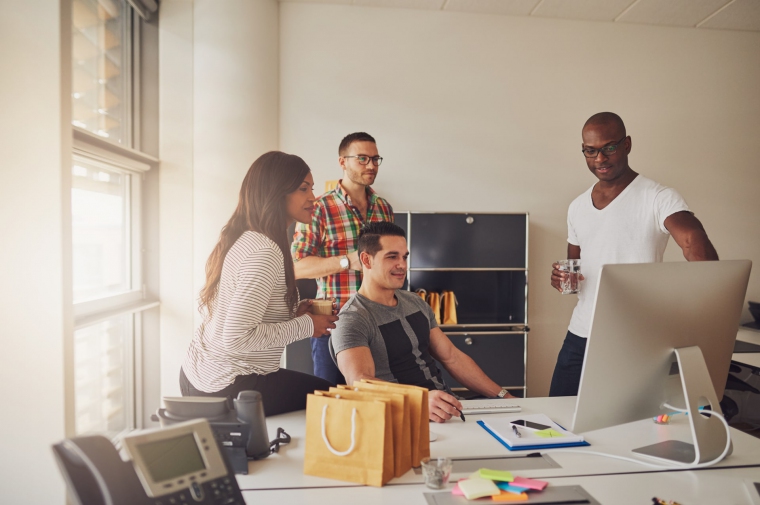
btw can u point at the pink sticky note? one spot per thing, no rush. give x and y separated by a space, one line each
530 483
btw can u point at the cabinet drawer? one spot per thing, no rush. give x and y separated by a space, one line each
468 240
501 355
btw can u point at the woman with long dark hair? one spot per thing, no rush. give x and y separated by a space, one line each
250 301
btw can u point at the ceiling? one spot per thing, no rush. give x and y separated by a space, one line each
715 14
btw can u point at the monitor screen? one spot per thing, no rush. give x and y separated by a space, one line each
171 458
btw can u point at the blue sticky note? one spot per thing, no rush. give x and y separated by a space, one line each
511 488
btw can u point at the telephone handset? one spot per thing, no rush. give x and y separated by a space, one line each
179 464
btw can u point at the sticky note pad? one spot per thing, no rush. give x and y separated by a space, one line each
456 491
538 485
478 488
506 497
511 488
501 476
548 433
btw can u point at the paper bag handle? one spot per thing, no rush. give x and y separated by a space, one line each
353 433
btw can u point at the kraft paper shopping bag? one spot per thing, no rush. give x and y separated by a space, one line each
449 307
418 410
400 420
388 453
348 440
434 300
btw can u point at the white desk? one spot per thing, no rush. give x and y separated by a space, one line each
457 439
748 358
687 488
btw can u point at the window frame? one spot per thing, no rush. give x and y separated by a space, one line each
126 158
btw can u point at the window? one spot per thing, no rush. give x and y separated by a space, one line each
106 202
101 56
102 376
106 216
101 207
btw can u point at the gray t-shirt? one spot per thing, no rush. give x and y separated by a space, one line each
398 338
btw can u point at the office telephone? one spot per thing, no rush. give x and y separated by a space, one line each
239 425
179 464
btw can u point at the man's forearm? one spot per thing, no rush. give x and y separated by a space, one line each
351 378
314 267
469 374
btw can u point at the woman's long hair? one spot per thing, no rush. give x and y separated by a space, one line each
261 208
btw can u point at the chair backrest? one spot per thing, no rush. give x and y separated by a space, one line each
80 481
95 474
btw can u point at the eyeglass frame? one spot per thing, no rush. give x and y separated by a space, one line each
376 160
614 150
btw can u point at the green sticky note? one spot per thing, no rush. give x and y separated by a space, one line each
548 433
485 473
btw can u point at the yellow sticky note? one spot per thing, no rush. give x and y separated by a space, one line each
477 488
505 496
485 473
548 433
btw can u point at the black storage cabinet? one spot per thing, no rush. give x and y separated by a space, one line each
483 259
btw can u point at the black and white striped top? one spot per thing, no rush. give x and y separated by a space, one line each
251 322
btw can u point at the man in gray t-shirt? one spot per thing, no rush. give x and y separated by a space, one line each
398 338
389 334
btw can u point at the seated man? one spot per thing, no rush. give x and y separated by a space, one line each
390 334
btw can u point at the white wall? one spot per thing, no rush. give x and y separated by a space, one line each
35 139
484 113
219 85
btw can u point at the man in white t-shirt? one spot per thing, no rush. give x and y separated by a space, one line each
622 218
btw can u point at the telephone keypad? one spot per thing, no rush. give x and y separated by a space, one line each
222 491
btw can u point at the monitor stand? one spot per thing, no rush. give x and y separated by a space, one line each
708 433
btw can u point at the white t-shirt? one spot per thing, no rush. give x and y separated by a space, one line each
631 229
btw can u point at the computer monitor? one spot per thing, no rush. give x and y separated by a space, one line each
642 313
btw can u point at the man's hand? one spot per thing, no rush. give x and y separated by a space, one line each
558 275
442 406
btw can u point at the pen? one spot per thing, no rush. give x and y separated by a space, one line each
460 414
517 432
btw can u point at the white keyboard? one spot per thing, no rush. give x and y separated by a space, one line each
489 406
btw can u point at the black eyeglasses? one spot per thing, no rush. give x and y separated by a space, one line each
606 150
274 445
364 160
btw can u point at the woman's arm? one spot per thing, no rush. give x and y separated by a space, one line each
243 326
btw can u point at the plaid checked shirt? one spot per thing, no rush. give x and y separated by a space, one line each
334 231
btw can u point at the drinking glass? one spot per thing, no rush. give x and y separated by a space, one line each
436 472
571 283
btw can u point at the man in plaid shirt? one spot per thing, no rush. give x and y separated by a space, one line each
325 250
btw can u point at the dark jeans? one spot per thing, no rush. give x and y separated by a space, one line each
282 391
324 366
567 372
